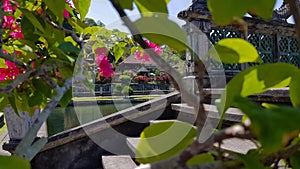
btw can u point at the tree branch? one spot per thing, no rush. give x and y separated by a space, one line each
27 149
284 154
25 76
294 7
78 40
14 60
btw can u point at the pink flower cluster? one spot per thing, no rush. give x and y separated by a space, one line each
104 67
144 56
66 13
9 73
10 22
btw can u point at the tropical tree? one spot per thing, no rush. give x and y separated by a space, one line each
40 43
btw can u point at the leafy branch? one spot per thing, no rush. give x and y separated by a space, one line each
27 149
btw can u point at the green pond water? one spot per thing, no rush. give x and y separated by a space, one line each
65 118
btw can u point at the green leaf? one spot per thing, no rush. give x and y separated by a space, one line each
82 7
13 162
3 101
119 50
35 99
294 88
234 50
126 4
3 64
146 6
251 162
162 31
65 72
255 80
200 159
42 87
274 126
225 12
28 30
22 102
295 162
162 140
57 7
77 24
92 30
33 19
65 100
261 8
68 47
12 103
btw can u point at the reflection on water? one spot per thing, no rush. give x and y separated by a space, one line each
65 118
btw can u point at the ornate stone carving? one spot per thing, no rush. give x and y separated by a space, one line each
200 7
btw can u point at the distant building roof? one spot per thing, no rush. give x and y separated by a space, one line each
132 60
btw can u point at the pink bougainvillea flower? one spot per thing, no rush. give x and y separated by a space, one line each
9 73
156 48
58 74
101 51
7 6
17 33
8 21
66 12
144 56
104 66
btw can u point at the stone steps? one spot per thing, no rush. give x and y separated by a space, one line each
187 113
118 162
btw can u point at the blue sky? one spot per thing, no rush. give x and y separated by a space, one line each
103 11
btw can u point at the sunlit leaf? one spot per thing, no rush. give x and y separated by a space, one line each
225 12
3 101
21 100
200 159
162 31
272 125
234 50
255 80
261 8
57 7
77 24
92 30
82 7
119 50
2 63
13 162
146 6
162 140
295 89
